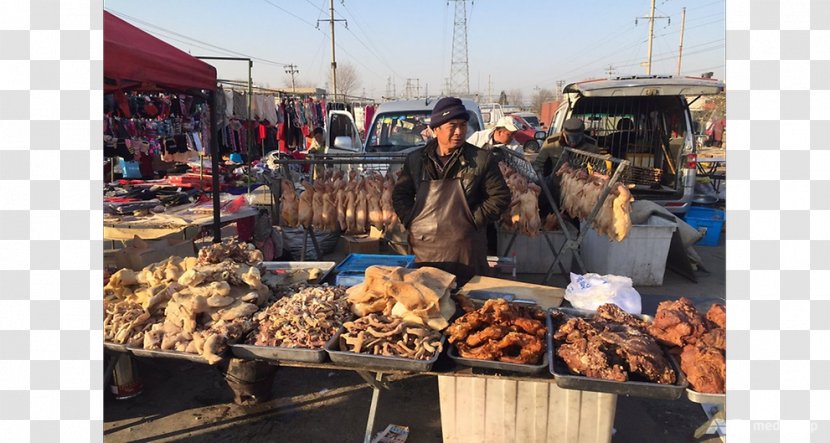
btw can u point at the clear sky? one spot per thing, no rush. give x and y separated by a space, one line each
516 44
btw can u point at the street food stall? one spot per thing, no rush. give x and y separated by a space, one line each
510 361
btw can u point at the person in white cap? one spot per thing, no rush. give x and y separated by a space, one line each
501 135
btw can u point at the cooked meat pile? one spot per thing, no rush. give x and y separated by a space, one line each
580 192
613 345
419 296
187 305
391 336
307 319
702 340
523 214
500 331
677 323
717 315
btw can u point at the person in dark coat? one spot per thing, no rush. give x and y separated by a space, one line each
447 193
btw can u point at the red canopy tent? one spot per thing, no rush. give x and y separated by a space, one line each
134 59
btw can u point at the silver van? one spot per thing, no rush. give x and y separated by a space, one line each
397 126
646 120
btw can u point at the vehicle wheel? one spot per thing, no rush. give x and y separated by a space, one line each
531 146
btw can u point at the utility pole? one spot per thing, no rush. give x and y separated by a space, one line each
559 85
610 70
651 19
489 89
331 21
682 30
291 70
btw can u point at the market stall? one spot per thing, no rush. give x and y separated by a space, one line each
506 369
135 61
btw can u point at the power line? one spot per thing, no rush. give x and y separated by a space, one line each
215 48
355 59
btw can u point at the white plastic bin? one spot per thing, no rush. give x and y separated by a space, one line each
478 409
641 256
533 254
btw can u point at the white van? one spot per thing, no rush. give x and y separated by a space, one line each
646 120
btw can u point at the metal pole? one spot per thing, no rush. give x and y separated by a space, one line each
333 60
214 167
682 30
650 35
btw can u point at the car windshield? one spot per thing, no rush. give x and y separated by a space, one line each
395 132
531 119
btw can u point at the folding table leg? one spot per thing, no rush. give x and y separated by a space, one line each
377 384
704 428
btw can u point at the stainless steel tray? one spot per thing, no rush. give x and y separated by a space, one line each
701 397
155 353
324 266
566 380
115 347
478 302
279 353
370 361
498 365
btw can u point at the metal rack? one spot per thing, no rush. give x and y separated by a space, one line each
362 162
521 165
614 168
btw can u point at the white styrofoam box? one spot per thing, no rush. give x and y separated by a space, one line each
533 254
478 409
641 256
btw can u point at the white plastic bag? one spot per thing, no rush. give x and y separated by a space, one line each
591 291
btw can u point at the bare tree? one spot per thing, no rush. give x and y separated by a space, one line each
541 96
347 79
515 97
298 82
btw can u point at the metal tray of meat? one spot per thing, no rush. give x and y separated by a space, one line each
325 268
370 361
478 299
704 398
115 347
499 365
155 353
281 353
566 380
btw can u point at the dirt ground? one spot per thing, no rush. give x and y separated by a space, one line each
191 402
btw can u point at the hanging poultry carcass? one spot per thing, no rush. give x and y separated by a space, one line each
289 204
305 212
580 192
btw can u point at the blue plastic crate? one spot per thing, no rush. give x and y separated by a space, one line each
708 218
351 270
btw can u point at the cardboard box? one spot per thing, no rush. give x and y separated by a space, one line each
361 245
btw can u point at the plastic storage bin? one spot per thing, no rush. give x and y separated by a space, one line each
533 255
709 220
641 256
351 270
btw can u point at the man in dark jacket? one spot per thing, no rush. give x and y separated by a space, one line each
447 193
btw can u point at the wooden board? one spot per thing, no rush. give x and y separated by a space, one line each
545 296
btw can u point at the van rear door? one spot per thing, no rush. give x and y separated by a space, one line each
647 86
